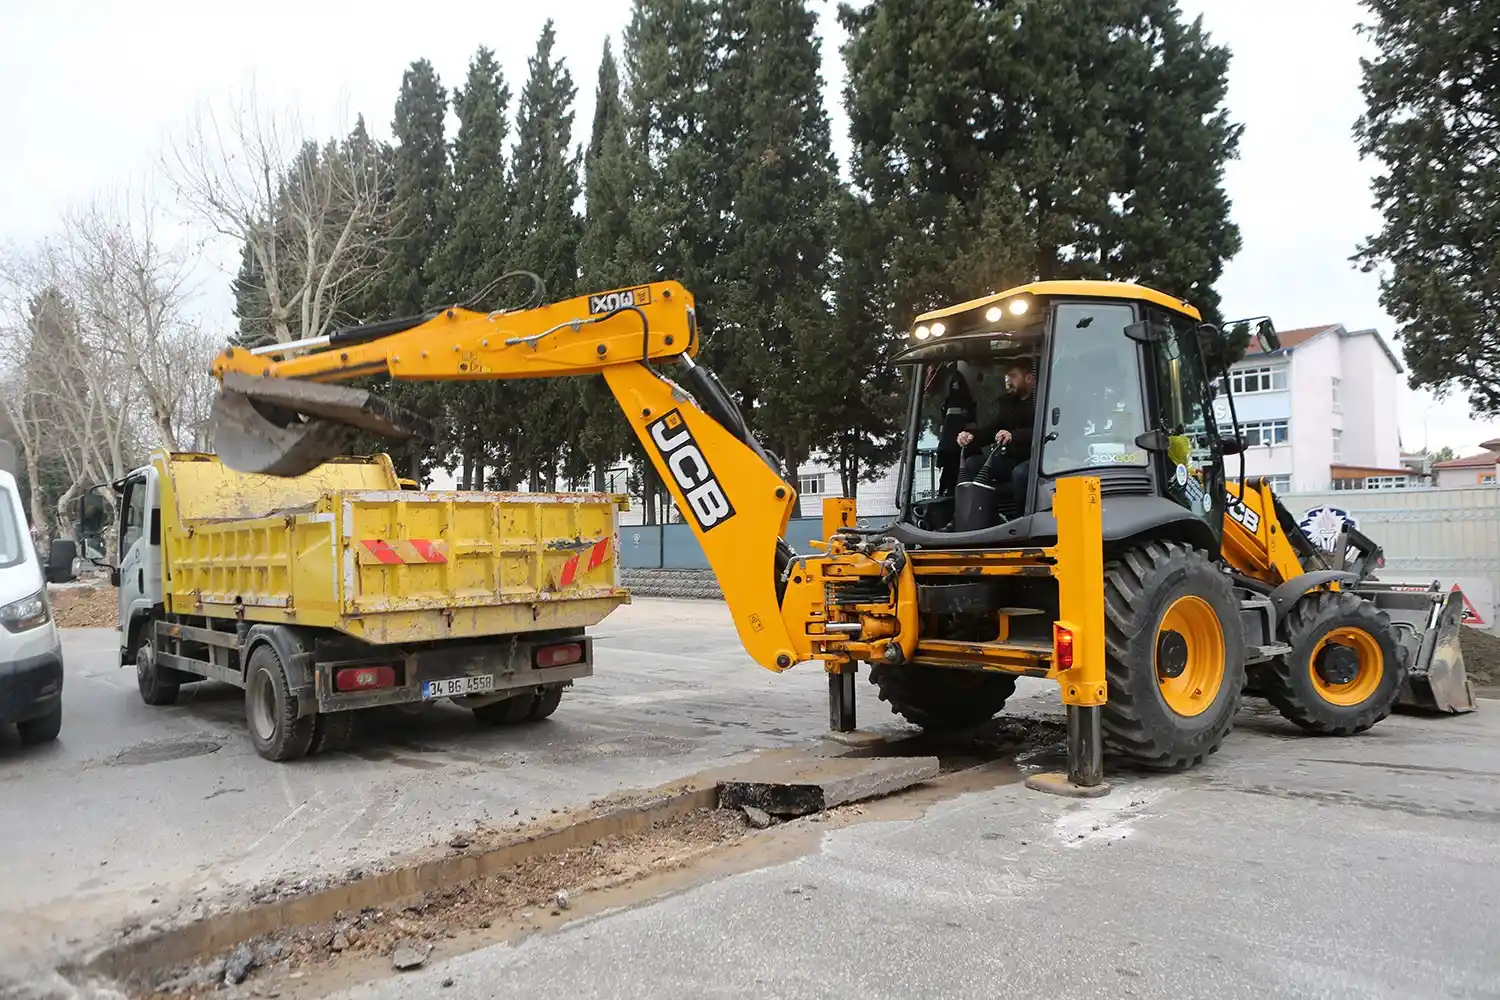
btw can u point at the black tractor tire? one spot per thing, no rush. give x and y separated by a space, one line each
276 730
42 729
511 712
1142 584
158 685
1289 683
940 699
332 731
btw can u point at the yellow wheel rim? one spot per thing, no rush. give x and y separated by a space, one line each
1371 666
1189 657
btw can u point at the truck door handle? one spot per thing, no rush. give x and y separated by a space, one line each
140 579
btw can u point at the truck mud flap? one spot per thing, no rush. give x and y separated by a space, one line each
1428 626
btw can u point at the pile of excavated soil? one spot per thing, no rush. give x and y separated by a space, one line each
1481 656
85 607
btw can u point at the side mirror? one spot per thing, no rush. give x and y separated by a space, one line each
60 560
114 576
1230 445
1265 334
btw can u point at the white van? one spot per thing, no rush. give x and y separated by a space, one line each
31 664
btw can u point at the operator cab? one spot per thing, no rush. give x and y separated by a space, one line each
1118 388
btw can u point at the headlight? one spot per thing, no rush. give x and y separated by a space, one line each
921 332
993 314
27 613
1018 307
938 329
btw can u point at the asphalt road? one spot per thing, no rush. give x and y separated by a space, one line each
1285 867
138 811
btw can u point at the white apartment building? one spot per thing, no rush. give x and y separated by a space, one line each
1320 412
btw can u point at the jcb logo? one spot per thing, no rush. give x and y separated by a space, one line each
706 499
610 301
1244 515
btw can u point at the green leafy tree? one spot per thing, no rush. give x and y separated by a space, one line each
1432 121
1041 139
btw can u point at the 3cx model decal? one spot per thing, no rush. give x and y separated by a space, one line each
610 301
706 499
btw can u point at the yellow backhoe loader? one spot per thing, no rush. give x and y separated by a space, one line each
1094 555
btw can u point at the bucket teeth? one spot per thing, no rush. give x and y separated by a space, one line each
284 427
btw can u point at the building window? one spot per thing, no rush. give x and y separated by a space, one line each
1248 380
1387 482
1338 445
812 486
1280 485
1486 479
1335 390
924 460
1263 432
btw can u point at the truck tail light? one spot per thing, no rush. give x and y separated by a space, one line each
560 655
1062 648
364 678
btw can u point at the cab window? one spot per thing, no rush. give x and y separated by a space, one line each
134 515
1093 414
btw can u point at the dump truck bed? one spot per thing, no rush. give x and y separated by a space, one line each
345 548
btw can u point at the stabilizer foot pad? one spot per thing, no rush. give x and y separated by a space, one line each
1057 783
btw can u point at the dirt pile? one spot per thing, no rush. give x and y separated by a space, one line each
84 607
1481 656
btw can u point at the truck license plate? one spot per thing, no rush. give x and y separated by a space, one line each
453 687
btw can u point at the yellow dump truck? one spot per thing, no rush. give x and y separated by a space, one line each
346 589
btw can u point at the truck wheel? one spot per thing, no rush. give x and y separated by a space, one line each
510 712
545 702
275 728
1174 655
940 699
42 729
158 685
1343 674
332 731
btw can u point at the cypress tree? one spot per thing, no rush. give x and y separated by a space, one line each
545 234
605 261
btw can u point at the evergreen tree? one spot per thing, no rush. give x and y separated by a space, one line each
773 320
602 438
1040 139
473 254
545 234
423 205
1432 120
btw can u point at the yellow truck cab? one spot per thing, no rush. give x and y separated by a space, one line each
345 589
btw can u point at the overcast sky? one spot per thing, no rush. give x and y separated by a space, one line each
92 88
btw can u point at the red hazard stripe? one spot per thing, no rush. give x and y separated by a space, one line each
598 553
428 551
569 571
380 550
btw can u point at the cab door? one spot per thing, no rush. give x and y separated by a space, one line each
1191 468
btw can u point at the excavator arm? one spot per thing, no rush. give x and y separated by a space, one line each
276 414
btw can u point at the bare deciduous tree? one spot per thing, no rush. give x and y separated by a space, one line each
312 218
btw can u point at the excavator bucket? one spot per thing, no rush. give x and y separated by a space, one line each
286 427
1428 625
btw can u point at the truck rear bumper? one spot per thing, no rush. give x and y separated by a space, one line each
511 661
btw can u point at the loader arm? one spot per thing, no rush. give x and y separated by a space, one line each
726 485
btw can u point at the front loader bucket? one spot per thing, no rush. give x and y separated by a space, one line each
1436 682
287 427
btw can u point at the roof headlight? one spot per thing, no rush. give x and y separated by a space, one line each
938 329
1019 306
921 333
993 314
